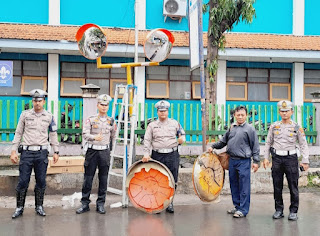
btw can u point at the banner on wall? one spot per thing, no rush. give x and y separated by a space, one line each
6 73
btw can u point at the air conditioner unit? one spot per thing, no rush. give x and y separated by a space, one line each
175 9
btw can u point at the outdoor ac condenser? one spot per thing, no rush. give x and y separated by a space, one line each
175 9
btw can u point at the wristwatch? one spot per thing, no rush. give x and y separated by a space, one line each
56 152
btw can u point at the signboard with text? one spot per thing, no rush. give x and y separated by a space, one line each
6 73
194 34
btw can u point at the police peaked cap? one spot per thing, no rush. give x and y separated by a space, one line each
285 105
162 105
38 94
104 99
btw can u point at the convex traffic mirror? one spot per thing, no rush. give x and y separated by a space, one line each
92 41
158 45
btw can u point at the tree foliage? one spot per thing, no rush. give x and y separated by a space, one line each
223 15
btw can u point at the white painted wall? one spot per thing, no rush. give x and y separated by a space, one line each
221 84
298 17
297 86
54 12
53 83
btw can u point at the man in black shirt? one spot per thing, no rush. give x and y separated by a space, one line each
242 144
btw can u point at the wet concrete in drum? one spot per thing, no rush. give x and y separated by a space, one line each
191 217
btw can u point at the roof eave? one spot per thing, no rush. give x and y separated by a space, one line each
64 47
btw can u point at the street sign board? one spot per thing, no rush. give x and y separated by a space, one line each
194 34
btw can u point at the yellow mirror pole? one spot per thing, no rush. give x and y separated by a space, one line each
129 81
128 68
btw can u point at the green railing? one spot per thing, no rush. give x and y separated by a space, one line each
189 116
69 126
263 115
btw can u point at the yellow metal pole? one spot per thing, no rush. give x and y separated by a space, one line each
130 92
128 67
122 65
129 78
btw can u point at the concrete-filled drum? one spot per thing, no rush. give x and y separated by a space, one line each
150 186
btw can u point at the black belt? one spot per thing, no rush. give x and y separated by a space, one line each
237 158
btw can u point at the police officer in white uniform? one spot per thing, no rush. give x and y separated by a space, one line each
281 143
99 133
161 141
33 128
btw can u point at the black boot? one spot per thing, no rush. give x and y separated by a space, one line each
21 198
170 208
100 209
84 208
39 195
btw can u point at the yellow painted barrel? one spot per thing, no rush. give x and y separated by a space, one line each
207 177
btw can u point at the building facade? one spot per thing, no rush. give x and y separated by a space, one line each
276 57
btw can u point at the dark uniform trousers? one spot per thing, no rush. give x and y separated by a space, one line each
170 160
94 158
285 165
39 161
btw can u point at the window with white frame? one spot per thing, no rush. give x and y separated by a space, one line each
173 82
311 83
75 74
34 75
258 84
32 82
70 87
35 68
99 77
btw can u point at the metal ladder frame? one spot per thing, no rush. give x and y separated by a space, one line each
123 117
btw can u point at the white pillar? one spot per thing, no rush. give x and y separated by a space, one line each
297 86
54 12
141 14
221 84
53 83
298 17
140 82
140 72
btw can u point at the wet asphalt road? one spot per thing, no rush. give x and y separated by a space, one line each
191 217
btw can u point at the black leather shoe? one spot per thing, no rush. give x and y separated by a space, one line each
293 216
83 209
277 215
170 208
100 209
18 212
40 211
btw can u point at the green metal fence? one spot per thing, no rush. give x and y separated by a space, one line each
69 126
70 116
260 116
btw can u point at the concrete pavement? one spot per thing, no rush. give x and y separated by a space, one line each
191 217
68 183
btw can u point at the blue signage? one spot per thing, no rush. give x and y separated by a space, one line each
6 73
